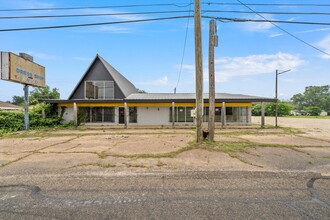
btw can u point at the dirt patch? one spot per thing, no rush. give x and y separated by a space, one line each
203 159
314 127
150 144
285 140
20 145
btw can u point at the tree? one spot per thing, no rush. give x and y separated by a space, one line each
313 110
43 93
283 109
316 96
18 100
141 90
256 110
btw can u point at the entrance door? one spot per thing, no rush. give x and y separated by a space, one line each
121 115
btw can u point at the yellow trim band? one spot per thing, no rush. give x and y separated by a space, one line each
151 104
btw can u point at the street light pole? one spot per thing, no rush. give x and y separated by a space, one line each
276 92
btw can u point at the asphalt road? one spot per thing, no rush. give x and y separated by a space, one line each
181 195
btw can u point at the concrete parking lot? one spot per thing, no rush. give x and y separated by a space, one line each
290 147
161 173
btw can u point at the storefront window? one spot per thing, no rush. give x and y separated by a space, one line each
99 90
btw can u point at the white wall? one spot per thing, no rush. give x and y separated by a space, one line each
68 114
153 116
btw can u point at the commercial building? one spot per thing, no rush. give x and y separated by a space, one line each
104 96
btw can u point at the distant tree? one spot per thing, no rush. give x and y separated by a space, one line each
313 110
256 110
270 109
316 96
141 91
43 93
282 109
18 100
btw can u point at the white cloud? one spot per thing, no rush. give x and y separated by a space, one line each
158 82
258 26
275 35
313 30
113 29
325 45
42 56
231 67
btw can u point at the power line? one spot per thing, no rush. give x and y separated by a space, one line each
268 12
222 19
158 12
268 4
180 5
292 35
91 15
91 24
267 20
184 47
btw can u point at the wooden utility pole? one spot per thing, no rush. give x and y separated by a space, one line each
212 44
199 71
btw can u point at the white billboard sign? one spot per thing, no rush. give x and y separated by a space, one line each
17 69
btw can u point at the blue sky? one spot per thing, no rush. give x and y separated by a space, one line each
149 54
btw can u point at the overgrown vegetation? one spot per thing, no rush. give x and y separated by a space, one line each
11 121
283 109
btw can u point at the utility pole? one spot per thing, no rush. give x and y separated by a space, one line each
26 107
212 44
199 70
276 93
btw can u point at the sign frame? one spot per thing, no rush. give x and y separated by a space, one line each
20 70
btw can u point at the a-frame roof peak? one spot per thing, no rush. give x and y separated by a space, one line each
125 86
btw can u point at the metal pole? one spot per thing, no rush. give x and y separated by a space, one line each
262 115
276 88
173 114
126 115
199 71
26 107
75 115
211 82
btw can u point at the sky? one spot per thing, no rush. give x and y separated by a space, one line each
149 54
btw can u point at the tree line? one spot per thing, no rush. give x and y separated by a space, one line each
312 101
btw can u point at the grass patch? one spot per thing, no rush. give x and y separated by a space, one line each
101 155
327 157
231 148
305 116
129 165
106 165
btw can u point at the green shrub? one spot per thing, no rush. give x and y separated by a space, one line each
270 109
256 110
11 121
313 110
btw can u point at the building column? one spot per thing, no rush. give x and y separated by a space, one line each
173 114
126 115
262 115
223 114
75 115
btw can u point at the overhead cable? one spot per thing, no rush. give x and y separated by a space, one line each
287 32
158 12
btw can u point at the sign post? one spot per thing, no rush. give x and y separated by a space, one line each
26 107
21 69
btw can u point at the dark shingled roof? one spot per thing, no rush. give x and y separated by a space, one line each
124 84
8 106
188 97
